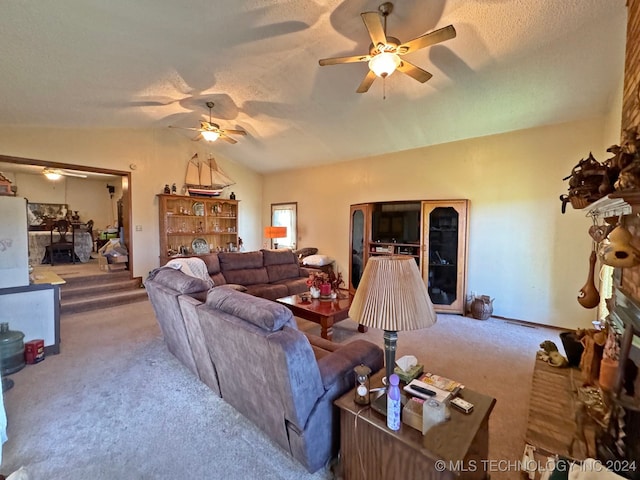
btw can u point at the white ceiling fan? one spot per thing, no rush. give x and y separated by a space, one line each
211 131
58 173
385 52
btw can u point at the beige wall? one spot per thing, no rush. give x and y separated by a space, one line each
90 198
522 251
159 157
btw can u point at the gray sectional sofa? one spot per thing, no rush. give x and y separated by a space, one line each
249 351
265 273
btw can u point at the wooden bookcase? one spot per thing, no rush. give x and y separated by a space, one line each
196 225
433 232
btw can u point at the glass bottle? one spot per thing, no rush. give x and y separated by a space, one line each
393 403
11 349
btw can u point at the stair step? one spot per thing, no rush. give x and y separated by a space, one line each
110 299
81 289
95 279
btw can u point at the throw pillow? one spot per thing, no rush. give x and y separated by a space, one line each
317 260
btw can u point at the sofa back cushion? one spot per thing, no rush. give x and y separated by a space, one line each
281 265
213 267
240 260
243 268
278 257
267 315
283 272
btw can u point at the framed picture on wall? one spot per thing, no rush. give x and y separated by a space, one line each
38 213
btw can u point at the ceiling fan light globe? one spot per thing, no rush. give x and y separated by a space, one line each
384 64
52 174
210 136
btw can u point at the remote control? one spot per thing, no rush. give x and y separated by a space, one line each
461 404
426 391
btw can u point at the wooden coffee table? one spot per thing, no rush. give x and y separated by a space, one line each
323 312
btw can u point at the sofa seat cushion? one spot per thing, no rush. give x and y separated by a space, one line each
270 291
295 286
262 313
177 280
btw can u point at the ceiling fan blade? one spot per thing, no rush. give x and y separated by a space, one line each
366 83
227 139
338 60
374 26
186 128
431 38
197 137
417 73
66 173
234 132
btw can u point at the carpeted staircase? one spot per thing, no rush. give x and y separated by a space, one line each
97 291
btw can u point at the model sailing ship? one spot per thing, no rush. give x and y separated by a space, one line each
205 178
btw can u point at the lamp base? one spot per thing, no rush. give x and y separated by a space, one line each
390 340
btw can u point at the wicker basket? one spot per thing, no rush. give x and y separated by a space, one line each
578 202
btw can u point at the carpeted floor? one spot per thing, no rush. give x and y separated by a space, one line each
116 404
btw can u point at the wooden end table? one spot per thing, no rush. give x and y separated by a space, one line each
320 311
457 448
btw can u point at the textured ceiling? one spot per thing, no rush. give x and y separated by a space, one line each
153 63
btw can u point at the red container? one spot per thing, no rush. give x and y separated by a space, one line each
325 289
34 351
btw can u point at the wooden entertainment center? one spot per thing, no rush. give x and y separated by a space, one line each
434 232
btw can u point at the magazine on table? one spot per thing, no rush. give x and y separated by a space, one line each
443 383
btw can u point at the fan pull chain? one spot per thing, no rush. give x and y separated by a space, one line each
384 88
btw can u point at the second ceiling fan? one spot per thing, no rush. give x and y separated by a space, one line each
211 131
385 52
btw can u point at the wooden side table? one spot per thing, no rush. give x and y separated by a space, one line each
456 449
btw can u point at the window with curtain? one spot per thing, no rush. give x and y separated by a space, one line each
285 215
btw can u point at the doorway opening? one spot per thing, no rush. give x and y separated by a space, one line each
116 180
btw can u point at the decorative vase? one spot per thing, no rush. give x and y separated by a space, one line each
482 307
315 292
325 289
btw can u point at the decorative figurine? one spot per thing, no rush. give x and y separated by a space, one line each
174 190
232 196
166 188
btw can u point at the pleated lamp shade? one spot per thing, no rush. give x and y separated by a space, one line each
392 296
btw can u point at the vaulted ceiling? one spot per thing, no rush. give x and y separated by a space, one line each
514 64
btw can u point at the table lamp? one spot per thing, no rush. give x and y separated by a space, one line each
392 296
275 232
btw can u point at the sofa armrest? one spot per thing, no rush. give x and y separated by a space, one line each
338 366
306 271
322 343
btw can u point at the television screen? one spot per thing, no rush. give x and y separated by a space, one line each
396 223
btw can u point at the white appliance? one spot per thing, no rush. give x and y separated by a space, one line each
14 242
